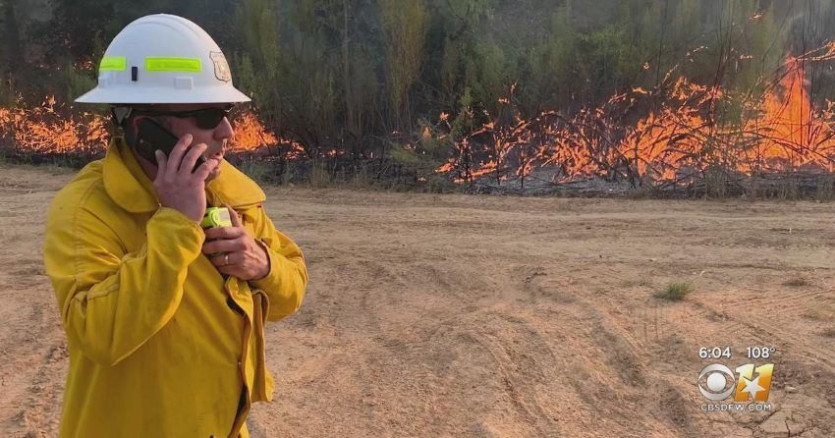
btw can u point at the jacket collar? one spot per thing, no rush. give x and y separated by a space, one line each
127 184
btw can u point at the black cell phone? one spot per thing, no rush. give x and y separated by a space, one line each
152 136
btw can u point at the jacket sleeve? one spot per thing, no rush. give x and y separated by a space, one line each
286 283
112 301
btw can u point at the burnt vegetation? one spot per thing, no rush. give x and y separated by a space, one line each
701 98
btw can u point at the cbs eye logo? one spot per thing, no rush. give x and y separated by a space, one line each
717 382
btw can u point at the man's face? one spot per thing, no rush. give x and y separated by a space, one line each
215 138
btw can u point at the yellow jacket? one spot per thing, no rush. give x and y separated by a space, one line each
160 345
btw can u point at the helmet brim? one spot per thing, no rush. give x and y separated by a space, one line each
120 95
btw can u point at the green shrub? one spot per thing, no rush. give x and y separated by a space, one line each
675 291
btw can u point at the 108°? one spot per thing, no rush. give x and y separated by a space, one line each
759 352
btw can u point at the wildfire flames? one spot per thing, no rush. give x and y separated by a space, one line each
44 129
676 142
49 129
251 136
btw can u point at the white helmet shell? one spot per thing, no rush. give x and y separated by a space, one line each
163 59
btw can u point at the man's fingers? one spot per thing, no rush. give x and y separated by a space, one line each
224 233
177 154
221 246
233 215
205 169
223 260
191 157
161 161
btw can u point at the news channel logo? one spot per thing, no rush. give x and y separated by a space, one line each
748 384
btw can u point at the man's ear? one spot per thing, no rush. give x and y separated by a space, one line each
131 128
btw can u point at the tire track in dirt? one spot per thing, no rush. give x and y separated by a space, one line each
520 372
788 303
625 358
500 337
543 387
35 371
634 359
42 406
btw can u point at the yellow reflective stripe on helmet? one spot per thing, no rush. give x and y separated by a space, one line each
184 65
113 63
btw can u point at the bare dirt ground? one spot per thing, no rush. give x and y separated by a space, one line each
452 315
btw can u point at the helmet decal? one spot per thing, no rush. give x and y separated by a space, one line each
113 63
222 72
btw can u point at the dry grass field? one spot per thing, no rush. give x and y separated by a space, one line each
477 316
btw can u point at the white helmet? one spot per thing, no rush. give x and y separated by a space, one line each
163 59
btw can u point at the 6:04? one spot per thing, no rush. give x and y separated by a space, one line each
714 352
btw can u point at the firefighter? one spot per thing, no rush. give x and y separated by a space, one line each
165 320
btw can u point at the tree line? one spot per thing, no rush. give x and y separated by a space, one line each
368 76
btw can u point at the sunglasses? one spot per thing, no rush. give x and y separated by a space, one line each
207 118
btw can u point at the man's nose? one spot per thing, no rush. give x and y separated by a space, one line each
224 131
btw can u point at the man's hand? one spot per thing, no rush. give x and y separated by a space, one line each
177 187
234 252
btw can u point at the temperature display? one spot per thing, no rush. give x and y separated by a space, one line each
759 352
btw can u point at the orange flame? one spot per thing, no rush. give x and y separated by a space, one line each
782 131
42 130
50 128
250 134
791 134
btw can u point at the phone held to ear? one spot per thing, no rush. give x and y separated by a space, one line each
152 136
